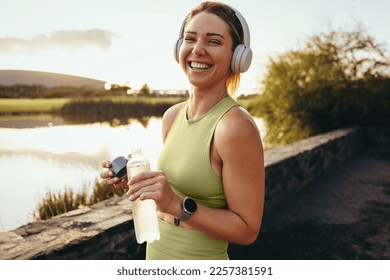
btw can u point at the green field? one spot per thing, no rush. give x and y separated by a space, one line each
40 105
46 105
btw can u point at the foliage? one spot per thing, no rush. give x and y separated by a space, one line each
116 89
102 191
19 90
72 92
40 91
145 90
338 79
56 204
108 109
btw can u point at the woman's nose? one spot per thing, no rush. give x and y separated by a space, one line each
199 48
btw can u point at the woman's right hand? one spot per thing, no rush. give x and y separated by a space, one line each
108 175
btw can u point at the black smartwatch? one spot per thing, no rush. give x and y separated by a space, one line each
189 207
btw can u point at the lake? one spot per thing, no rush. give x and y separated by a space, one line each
46 153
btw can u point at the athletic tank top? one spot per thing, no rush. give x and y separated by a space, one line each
185 157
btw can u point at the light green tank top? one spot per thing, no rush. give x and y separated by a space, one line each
185 157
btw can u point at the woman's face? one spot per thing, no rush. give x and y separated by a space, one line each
206 52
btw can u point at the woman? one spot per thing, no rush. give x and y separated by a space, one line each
209 190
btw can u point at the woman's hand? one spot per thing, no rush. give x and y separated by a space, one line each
154 185
108 175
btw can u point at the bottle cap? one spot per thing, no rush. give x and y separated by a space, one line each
118 166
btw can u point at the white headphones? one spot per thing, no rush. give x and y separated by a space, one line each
242 56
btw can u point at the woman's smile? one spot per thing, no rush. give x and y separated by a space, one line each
199 65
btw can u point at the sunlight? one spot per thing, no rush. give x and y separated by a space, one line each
107 85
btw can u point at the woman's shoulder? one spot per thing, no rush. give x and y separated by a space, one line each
237 115
238 129
170 114
169 117
237 121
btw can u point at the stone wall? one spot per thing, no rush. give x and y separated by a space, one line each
105 230
294 166
102 231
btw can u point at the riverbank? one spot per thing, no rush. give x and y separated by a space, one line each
31 106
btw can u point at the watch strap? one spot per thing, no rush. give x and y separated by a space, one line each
176 221
184 216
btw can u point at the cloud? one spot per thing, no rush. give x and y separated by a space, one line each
63 39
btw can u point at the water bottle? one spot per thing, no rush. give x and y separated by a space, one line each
145 211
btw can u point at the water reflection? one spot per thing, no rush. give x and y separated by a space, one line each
44 120
25 121
113 121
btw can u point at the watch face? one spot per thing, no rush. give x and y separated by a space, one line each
190 205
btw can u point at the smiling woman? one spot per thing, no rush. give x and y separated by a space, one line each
209 185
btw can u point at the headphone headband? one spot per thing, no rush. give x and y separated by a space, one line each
242 56
245 27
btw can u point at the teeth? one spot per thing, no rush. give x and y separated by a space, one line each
197 65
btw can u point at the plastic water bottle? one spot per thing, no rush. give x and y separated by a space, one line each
145 211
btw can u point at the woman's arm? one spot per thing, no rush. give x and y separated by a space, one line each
238 144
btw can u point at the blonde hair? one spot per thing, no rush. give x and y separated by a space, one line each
233 82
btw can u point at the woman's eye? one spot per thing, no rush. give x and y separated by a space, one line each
189 39
215 42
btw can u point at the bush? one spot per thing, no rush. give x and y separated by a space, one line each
338 79
56 204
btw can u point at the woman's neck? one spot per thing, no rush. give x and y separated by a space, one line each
202 101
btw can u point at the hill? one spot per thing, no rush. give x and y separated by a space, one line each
47 79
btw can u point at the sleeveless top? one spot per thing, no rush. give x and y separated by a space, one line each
185 160
185 157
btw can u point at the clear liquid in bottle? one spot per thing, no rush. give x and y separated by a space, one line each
145 211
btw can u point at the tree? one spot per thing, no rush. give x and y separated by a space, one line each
145 90
332 82
117 89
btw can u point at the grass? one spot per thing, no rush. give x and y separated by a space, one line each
39 105
51 105
58 203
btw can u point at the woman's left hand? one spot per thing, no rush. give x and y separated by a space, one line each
153 185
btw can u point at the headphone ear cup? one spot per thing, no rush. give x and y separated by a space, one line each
176 50
246 60
241 59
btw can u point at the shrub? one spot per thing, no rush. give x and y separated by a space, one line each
338 79
56 204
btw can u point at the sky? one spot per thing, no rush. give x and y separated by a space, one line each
126 41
